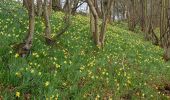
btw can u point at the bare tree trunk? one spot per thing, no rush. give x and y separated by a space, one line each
94 22
26 4
47 20
131 16
106 8
39 7
167 40
56 5
166 36
29 38
110 16
50 7
163 21
98 9
143 14
150 35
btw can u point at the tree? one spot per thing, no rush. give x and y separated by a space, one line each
131 14
165 28
94 24
99 37
106 9
25 47
56 5
27 44
29 38
150 35
47 21
39 7
143 15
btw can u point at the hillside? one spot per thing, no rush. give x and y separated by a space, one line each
127 67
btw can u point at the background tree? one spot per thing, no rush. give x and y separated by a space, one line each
94 20
165 28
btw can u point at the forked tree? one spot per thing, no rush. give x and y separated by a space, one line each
24 48
99 35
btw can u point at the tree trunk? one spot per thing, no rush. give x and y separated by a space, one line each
166 36
26 4
131 16
94 22
56 5
47 20
106 8
39 7
163 22
143 15
29 38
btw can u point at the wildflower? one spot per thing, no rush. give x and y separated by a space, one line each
129 82
64 84
10 52
16 55
65 62
17 94
82 68
37 56
110 98
70 62
98 96
39 73
92 77
57 66
18 74
32 71
47 83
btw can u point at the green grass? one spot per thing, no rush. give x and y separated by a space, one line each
74 68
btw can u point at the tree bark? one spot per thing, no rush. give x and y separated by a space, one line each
26 4
131 15
29 37
143 15
39 7
166 36
106 8
47 20
163 21
94 22
56 5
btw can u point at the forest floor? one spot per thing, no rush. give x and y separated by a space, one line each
126 68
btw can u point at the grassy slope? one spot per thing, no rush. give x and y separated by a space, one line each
127 66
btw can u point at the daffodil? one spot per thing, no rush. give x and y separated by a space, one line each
57 66
47 83
16 55
17 94
18 74
65 62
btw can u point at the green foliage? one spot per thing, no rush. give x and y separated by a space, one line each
74 68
